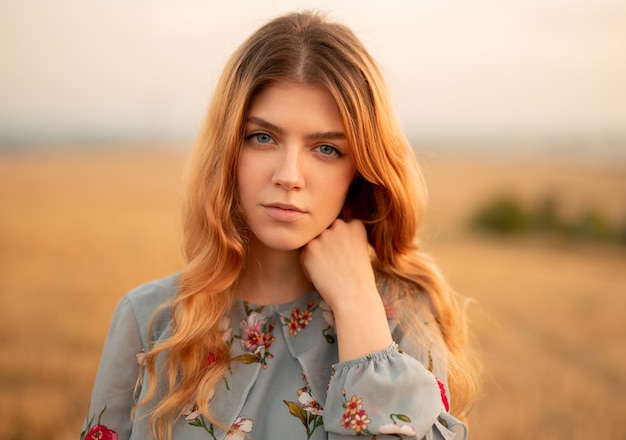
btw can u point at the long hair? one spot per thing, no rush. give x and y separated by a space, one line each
388 195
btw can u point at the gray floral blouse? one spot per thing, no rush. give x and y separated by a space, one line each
285 380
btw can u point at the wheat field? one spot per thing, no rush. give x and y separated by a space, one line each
80 228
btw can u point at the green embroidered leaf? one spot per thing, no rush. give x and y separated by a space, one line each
246 306
197 422
247 358
400 417
100 415
430 362
319 421
403 418
329 338
443 421
88 427
296 410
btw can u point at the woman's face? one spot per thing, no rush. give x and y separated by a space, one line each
295 165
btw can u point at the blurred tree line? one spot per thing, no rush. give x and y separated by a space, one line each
507 215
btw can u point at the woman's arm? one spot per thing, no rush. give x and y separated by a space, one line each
112 397
376 388
338 263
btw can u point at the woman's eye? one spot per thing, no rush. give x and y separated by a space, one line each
261 138
329 150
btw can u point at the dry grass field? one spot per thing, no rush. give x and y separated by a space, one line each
78 229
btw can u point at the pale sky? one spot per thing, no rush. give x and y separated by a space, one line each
456 68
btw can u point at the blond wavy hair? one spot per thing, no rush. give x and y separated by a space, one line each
388 195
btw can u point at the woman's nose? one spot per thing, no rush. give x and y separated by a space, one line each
288 173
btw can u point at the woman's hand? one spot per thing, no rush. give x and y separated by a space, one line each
338 264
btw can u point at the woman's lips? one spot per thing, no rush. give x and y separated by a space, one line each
283 212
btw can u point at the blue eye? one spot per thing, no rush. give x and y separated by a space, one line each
261 138
329 150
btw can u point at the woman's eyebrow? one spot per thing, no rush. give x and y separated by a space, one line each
265 124
332 135
318 135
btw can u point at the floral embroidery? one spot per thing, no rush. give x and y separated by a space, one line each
239 429
330 320
199 422
252 334
353 405
226 329
249 310
444 396
227 336
395 428
307 409
299 320
256 339
445 405
101 432
139 357
98 431
308 402
190 412
354 417
211 359
390 311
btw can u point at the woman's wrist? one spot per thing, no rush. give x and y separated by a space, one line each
362 326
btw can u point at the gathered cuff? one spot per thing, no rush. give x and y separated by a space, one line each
376 356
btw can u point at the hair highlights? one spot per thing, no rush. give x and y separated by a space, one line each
388 195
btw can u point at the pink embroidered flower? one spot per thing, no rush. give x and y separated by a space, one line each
190 412
268 337
391 428
139 357
359 422
293 327
211 359
305 318
444 397
298 320
354 416
345 420
309 403
101 432
256 339
239 429
252 336
353 405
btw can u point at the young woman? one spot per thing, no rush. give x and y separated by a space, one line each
305 309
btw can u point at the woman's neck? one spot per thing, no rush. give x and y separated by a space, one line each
272 277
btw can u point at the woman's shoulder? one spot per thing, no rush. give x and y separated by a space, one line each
153 293
146 299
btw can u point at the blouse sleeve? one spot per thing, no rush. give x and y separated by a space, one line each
388 394
112 398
